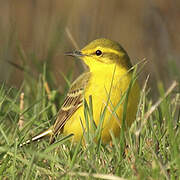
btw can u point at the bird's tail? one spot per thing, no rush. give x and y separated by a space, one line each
46 133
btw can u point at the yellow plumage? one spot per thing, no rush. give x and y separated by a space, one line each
103 84
109 76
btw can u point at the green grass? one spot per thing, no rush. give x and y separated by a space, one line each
150 149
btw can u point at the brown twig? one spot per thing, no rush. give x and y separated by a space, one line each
21 117
71 38
75 45
48 91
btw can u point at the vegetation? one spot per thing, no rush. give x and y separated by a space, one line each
33 38
149 150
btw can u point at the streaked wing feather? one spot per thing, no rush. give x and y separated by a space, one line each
72 102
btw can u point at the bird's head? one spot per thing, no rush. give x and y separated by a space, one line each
103 51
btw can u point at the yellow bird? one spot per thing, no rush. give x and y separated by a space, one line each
107 81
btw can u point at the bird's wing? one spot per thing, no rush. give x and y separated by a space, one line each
72 102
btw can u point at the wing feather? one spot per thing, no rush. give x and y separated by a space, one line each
72 102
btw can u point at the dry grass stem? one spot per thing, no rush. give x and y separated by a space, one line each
21 117
154 107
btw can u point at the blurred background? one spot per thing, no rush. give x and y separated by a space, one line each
36 31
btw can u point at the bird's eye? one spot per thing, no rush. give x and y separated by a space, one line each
98 52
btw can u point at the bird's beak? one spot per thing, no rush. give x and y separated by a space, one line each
74 53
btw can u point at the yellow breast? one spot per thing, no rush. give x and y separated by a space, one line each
106 86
